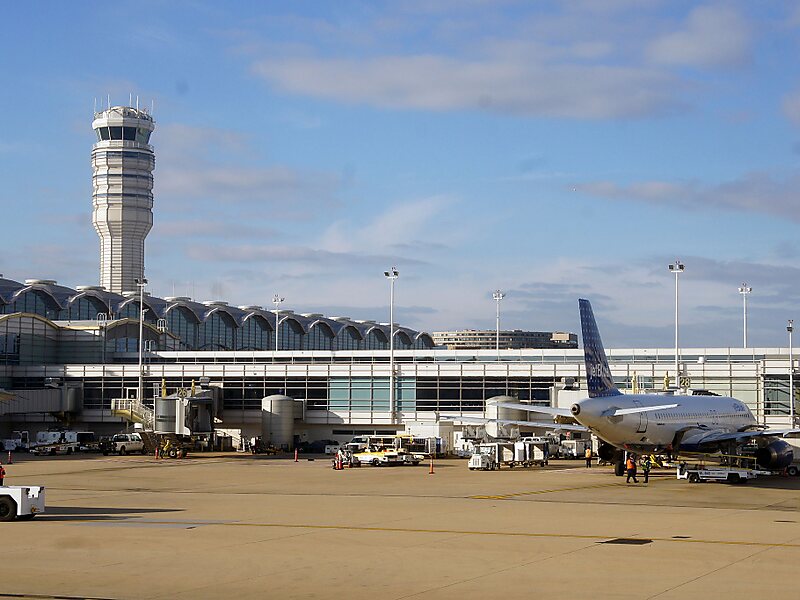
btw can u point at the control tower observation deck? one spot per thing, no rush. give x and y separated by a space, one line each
122 193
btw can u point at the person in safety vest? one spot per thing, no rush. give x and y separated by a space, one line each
647 464
588 456
2 474
630 467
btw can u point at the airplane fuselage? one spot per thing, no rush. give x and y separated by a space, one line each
662 430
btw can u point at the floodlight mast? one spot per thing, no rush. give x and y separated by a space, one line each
744 290
141 283
790 329
677 267
276 299
392 276
498 296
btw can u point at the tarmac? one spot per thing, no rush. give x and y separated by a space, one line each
241 526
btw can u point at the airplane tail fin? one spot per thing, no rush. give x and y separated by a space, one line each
598 374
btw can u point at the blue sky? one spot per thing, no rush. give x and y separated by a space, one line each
554 150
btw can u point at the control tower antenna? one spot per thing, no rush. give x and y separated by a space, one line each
122 193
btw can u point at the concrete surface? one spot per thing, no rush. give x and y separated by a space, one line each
238 526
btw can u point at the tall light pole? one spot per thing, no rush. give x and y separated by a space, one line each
790 328
677 267
744 290
141 283
276 300
498 295
391 275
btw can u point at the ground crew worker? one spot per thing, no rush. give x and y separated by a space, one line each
2 474
647 464
588 456
630 467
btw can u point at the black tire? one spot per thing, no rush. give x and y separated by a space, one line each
69 450
792 470
143 450
122 451
619 468
694 478
105 452
8 509
26 517
733 478
376 462
172 453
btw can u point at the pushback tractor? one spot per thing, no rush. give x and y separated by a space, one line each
21 502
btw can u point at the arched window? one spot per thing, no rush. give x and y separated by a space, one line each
376 340
217 332
255 334
402 341
84 308
37 302
130 310
348 339
291 335
423 341
320 336
182 323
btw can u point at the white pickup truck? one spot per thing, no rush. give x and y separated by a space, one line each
123 443
21 502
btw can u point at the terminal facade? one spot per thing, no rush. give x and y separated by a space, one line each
68 354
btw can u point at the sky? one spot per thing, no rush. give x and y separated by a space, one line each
552 150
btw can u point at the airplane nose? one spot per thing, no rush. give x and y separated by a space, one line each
575 409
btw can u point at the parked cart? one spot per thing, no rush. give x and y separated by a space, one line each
21 502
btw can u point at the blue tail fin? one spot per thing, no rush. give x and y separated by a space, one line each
598 375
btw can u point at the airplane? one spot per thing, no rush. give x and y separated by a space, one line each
659 424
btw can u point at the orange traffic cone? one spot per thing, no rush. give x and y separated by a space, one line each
9 461
295 455
430 471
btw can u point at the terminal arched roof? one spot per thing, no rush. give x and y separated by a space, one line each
62 297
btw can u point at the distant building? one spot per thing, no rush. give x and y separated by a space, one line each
473 339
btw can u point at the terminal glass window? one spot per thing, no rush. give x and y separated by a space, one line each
182 323
255 334
217 332
85 308
319 337
348 339
290 334
376 340
35 302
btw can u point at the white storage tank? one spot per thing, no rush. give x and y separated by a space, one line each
277 421
165 413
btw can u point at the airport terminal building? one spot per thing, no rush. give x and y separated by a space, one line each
68 354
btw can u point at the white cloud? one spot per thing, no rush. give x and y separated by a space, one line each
712 36
518 84
753 193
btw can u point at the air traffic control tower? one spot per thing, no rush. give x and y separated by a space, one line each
122 196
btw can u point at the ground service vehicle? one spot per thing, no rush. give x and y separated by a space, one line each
19 440
698 474
488 457
381 458
22 502
123 443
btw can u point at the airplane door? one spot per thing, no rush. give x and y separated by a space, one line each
642 419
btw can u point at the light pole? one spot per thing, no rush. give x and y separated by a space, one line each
790 328
498 295
276 299
677 267
744 290
391 275
141 283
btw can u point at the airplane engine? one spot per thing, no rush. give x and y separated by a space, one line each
775 455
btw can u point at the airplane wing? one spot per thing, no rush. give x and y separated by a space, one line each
546 410
718 436
618 412
555 426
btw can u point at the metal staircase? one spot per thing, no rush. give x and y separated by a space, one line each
134 411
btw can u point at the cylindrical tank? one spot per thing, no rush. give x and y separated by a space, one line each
277 421
493 411
165 415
